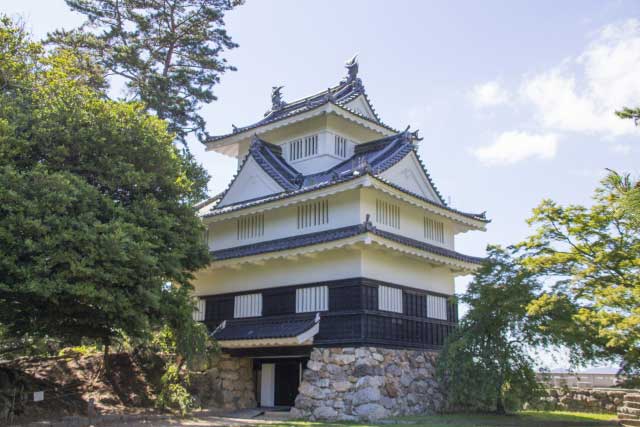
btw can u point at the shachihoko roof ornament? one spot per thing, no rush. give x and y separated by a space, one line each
352 73
276 98
349 88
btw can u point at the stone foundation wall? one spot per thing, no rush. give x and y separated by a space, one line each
629 412
584 400
228 384
367 383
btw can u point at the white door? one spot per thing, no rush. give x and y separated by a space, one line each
267 384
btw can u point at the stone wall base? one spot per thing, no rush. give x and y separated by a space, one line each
367 383
581 399
227 385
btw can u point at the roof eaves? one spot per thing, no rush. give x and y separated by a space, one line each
478 217
295 242
279 196
303 108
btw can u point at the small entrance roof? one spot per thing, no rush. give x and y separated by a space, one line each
272 332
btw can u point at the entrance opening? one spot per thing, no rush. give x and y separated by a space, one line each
277 381
287 382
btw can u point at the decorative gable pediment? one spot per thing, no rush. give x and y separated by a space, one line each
361 106
252 182
409 175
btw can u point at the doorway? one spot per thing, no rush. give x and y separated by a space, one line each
287 382
277 381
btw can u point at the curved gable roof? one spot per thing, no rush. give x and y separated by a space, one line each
340 95
371 158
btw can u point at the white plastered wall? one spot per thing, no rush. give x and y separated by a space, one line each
342 263
361 106
252 182
330 265
411 218
408 174
282 222
406 270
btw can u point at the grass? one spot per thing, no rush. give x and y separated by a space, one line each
520 419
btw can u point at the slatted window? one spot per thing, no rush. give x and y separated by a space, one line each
249 227
312 299
340 146
387 213
390 299
436 307
303 147
433 230
247 306
313 214
199 310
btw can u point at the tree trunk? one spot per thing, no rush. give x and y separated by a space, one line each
105 360
500 405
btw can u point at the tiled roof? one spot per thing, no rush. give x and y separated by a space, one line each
340 95
369 158
263 328
269 157
334 235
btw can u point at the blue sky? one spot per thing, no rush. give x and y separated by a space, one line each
514 100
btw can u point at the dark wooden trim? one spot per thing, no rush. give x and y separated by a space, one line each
298 351
331 284
353 318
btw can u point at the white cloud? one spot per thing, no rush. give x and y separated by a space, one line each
582 94
621 148
489 94
512 147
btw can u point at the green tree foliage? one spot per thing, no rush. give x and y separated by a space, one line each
97 228
167 51
486 364
592 257
629 113
629 192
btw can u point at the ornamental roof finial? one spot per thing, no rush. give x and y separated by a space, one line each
352 68
276 98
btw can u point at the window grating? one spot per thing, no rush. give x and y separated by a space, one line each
340 146
387 213
313 214
433 230
303 147
247 306
390 299
436 307
250 226
312 299
199 310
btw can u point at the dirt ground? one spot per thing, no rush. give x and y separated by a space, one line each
69 383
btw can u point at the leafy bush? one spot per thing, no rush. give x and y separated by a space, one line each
173 393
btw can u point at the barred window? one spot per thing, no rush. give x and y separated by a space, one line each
247 306
436 307
250 226
433 230
313 214
303 147
390 299
199 310
387 213
312 299
340 146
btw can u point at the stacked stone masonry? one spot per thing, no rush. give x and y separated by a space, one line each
228 385
582 399
629 412
367 383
